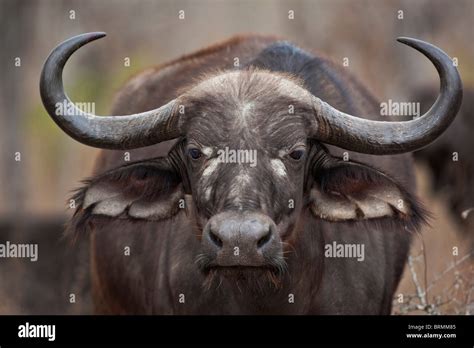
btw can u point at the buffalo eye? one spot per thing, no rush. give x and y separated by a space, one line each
194 153
297 154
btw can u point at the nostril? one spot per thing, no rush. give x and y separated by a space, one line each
265 239
215 239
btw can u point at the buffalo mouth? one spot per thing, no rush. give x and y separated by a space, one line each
276 265
256 279
232 270
253 278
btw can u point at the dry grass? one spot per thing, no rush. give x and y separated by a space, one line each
436 280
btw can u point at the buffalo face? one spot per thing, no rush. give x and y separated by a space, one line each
245 154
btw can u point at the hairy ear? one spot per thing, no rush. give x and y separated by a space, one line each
349 191
148 190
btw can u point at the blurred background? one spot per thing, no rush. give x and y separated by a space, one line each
40 165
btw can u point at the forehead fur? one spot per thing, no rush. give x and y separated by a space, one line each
250 83
253 102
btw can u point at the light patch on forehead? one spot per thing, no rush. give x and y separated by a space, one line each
243 114
282 85
278 167
246 108
212 166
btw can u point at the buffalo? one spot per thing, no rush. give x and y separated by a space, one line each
271 186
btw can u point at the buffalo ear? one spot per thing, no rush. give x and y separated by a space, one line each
349 191
148 190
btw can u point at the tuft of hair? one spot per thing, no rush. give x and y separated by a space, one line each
347 179
144 180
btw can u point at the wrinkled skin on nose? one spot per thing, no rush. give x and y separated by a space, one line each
241 239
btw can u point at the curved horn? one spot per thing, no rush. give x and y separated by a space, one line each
111 132
382 138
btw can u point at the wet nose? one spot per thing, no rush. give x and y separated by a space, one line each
237 239
251 234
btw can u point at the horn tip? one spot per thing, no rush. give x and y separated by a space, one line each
97 34
415 43
405 39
